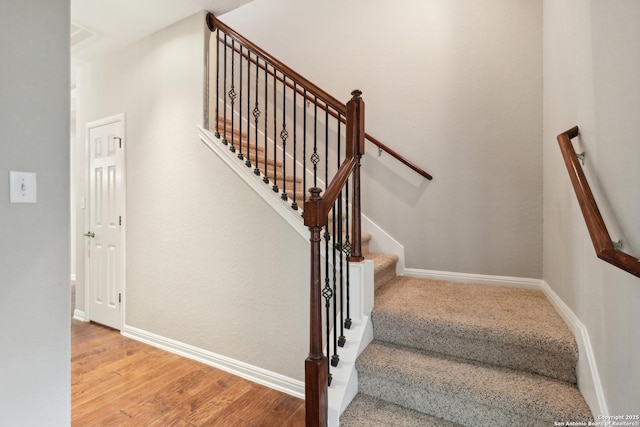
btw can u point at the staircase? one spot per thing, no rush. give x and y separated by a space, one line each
449 354
443 354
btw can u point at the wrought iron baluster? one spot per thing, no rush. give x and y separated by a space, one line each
217 84
240 154
233 95
327 293
304 148
314 157
275 131
284 135
224 104
335 359
294 205
326 147
248 161
256 116
265 178
346 248
338 245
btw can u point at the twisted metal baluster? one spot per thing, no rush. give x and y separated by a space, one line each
334 357
294 205
275 146
233 95
240 154
314 157
265 178
327 293
346 248
338 244
283 135
256 116
248 161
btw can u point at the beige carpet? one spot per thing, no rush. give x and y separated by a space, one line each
472 355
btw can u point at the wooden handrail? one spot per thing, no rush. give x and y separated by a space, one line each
600 237
213 23
398 157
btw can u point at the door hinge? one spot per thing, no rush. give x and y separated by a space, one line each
120 220
120 298
119 141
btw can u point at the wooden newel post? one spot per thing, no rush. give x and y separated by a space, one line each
355 147
316 367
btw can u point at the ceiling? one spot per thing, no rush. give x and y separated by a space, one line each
99 26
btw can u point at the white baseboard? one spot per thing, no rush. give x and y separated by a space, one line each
588 377
483 279
249 372
79 315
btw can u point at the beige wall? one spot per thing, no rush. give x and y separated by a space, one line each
592 57
454 85
208 263
34 238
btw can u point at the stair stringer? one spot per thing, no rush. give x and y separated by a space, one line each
382 242
293 218
344 385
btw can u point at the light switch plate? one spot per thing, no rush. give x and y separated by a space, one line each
22 187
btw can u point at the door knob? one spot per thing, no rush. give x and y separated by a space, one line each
90 234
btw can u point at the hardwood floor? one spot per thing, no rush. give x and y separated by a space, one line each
116 381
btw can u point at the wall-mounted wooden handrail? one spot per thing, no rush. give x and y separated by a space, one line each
214 23
398 157
600 237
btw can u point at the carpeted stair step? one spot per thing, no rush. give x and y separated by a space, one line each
466 392
367 411
237 137
384 268
365 241
511 327
248 143
282 178
261 160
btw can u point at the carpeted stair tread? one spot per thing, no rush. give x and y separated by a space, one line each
466 392
241 141
367 411
512 327
384 268
365 241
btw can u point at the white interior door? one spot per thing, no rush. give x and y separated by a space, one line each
105 234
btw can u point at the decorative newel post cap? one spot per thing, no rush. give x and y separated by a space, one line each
356 93
315 193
